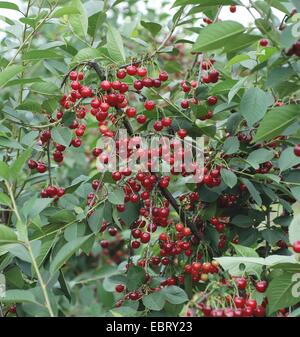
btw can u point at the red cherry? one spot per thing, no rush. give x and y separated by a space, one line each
116 176
251 303
141 72
186 231
123 88
95 184
134 198
60 192
52 191
58 156
73 75
121 74
163 76
260 311
32 164
75 85
158 126
165 261
297 150
136 233
135 244
97 151
232 8
105 85
131 112
138 85
76 142
119 288
185 104
296 247
239 302
141 119
261 286
166 121
156 83
86 91
149 105
264 42
112 231
147 82
104 244
45 136
182 133
241 282
145 237
212 100
41 168
80 76
116 85
179 227
131 70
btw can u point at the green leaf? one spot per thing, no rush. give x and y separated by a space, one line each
240 42
4 199
4 171
288 159
66 252
229 178
95 22
30 105
135 278
95 220
115 45
260 156
237 59
236 88
283 291
231 145
296 192
35 206
216 35
252 190
18 296
116 196
8 73
9 5
244 251
243 221
17 165
204 2
87 54
154 301
40 55
254 105
62 135
174 295
276 121
273 235
7 235
79 22
239 265
65 11
10 143
154 28
45 88
294 229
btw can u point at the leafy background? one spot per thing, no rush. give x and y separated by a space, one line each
50 252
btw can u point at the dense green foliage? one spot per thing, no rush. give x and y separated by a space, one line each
77 242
